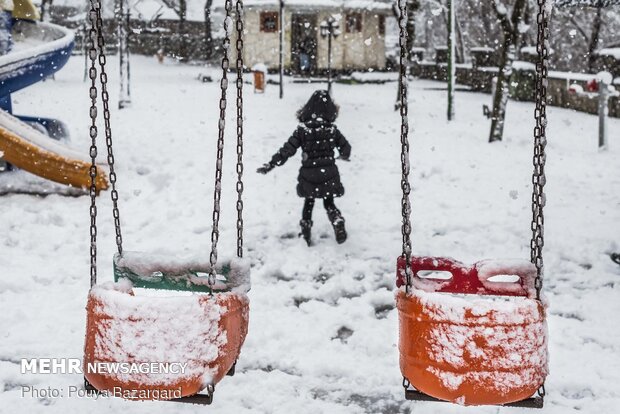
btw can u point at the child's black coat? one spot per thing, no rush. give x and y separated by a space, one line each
318 175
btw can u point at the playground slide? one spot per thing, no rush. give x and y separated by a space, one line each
40 49
33 151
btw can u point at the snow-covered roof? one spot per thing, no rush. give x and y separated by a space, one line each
610 51
154 9
309 4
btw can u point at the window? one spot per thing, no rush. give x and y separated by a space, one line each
353 23
269 22
381 24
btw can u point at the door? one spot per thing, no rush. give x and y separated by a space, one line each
304 43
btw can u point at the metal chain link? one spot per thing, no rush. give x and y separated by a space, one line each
239 26
105 98
404 140
540 142
406 383
217 192
92 74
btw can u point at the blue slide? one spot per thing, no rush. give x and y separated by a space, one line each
39 50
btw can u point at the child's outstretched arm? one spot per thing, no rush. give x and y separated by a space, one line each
344 148
287 151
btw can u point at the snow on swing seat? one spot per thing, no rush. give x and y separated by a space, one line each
152 271
476 338
204 331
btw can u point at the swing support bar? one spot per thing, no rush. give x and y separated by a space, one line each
411 394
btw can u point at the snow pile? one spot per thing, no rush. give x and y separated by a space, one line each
259 67
23 182
524 66
610 51
482 310
157 329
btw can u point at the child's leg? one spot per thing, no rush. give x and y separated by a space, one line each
335 217
306 220
306 214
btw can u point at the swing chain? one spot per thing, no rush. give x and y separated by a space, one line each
404 132
105 98
96 52
92 74
542 392
239 44
217 192
540 142
406 383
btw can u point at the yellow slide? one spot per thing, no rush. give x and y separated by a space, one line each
30 150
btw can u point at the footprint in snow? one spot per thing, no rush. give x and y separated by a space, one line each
343 334
382 311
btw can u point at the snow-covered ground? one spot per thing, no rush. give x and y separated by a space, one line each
323 329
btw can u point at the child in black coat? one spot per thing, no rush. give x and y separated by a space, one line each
318 176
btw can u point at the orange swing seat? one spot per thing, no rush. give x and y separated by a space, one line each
201 335
472 339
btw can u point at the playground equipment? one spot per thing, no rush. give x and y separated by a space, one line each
260 73
29 149
205 331
40 50
475 334
122 21
600 88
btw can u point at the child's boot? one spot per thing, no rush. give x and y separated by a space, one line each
335 217
306 231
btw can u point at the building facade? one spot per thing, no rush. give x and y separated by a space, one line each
360 44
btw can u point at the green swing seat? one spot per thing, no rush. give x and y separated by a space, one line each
151 271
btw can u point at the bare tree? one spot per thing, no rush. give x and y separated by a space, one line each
594 38
591 37
44 6
180 8
512 29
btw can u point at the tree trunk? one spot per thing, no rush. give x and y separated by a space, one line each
412 8
460 44
44 6
486 12
511 38
594 39
500 99
183 55
208 35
